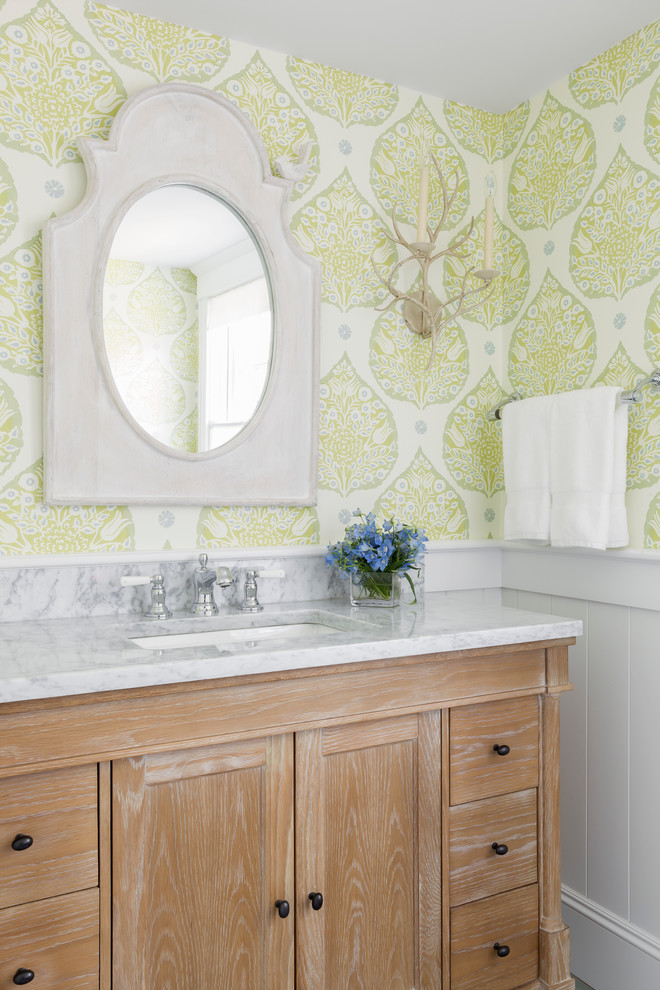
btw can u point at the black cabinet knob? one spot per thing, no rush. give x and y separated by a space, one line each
282 908
500 848
501 750
22 841
23 976
317 900
501 950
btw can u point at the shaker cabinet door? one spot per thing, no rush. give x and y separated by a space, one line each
202 850
368 897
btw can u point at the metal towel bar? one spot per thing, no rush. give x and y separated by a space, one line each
630 398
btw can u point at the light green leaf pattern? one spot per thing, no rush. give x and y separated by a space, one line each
257 526
553 348
652 329
122 345
398 359
155 396
27 526
55 86
184 279
118 272
422 497
616 241
21 301
184 355
155 306
11 427
608 77
167 51
643 467
8 203
282 125
347 97
493 136
395 168
358 438
186 434
510 288
340 228
472 443
554 168
652 525
652 123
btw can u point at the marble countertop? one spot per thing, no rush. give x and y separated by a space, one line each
80 656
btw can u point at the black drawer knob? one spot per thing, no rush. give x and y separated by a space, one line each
23 976
501 750
22 841
501 950
500 848
282 908
317 900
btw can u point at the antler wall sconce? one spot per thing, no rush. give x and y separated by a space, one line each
421 310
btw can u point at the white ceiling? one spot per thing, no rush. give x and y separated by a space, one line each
485 54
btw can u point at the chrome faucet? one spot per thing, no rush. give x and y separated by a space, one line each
250 602
203 579
157 609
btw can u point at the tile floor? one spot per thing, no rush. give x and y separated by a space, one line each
579 985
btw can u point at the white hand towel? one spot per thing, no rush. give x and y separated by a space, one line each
526 453
588 439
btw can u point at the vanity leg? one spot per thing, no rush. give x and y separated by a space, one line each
554 935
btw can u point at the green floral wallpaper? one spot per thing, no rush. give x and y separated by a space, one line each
577 239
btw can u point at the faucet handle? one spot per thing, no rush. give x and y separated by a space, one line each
158 609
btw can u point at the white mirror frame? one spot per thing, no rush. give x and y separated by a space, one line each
95 453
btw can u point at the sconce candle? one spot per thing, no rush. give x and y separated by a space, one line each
423 201
489 220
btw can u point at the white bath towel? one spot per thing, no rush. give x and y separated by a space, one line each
526 452
588 440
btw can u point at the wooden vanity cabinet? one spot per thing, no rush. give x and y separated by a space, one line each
388 825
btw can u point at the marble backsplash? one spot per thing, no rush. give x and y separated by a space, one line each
81 590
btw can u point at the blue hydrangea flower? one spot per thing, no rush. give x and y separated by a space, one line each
166 518
549 247
620 321
54 188
489 347
619 123
345 147
421 426
344 331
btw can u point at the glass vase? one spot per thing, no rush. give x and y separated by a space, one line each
379 588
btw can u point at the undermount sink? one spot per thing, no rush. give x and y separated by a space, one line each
236 636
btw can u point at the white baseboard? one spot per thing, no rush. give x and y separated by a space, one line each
608 952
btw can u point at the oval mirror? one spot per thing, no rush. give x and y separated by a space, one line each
187 318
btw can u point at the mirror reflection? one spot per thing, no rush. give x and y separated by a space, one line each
187 318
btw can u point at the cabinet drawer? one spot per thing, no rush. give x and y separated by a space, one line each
508 920
475 868
58 811
58 939
476 768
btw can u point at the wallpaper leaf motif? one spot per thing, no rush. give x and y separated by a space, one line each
652 329
340 228
155 306
608 77
22 301
652 525
119 272
395 166
616 241
184 279
11 427
509 258
122 345
27 526
155 396
643 457
281 124
652 123
257 526
552 171
184 356
553 347
8 203
472 444
493 136
358 439
347 97
186 435
420 496
398 358
167 51
56 87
